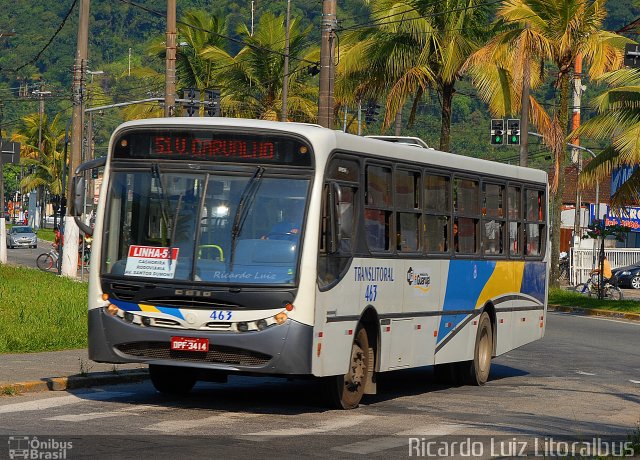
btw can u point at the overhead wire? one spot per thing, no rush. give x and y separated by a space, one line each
37 56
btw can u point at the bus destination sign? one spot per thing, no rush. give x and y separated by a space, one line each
213 146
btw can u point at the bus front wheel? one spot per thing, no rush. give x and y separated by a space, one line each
346 391
172 380
477 370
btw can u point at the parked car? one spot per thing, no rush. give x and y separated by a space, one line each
628 276
21 236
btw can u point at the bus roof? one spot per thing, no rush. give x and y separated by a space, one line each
337 140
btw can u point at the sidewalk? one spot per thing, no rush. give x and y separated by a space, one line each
61 370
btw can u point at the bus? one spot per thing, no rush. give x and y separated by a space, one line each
231 246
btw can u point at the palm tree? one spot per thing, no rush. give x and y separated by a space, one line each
197 30
618 121
251 81
44 167
412 46
556 31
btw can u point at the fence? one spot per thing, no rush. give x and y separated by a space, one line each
582 261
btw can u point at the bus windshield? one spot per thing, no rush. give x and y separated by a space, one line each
211 227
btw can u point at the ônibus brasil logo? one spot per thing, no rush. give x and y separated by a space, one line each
420 281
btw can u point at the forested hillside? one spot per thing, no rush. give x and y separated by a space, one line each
37 46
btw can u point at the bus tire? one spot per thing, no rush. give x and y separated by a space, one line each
346 391
170 380
478 369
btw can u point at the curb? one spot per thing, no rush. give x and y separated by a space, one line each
596 312
73 382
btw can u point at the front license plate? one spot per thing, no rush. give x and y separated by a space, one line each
189 344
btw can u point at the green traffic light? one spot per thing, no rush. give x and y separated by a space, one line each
514 138
498 139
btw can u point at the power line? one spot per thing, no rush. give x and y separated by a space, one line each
232 39
37 56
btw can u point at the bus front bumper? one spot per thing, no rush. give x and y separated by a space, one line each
279 349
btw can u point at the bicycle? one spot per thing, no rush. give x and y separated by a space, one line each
590 288
563 270
46 261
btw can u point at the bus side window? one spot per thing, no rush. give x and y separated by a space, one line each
337 225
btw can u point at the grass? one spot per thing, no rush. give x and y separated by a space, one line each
40 311
46 234
564 298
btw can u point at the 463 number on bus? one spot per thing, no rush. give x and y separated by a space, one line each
371 292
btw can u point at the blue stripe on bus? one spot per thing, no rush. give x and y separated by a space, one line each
175 312
130 306
465 281
533 280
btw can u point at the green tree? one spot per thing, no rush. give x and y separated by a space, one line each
43 168
618 121
251 81
411 46
555 31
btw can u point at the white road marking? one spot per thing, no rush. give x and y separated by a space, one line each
584 373
49 403
634 381
135 410
398 440
176 426
597 318
323 427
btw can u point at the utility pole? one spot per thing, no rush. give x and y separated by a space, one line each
70 255
37 219
3 229
327 69
252 6
285 82
170 72
575 154
524 110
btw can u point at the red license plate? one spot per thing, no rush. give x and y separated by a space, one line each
189 344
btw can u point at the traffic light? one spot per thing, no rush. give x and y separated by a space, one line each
497 131
513 131
212 102
191 106
371 112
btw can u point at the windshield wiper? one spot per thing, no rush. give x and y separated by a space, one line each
155 171
246 199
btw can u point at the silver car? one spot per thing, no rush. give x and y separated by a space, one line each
21 236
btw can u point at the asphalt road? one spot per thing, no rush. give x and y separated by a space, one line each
582 380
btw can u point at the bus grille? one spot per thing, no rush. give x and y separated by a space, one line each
216 354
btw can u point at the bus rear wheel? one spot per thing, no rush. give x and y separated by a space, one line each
171 380
346 391
477 370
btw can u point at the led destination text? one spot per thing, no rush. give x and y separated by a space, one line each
213 148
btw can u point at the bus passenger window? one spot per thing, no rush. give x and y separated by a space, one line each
376 224
465 239
436 233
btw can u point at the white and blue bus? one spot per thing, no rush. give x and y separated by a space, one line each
227 246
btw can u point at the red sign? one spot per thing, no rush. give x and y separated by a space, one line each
189 344
152 252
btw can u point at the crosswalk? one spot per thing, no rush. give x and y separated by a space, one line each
344 432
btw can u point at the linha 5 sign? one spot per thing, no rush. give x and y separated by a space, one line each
151 262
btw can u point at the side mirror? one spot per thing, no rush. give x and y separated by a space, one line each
78 196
